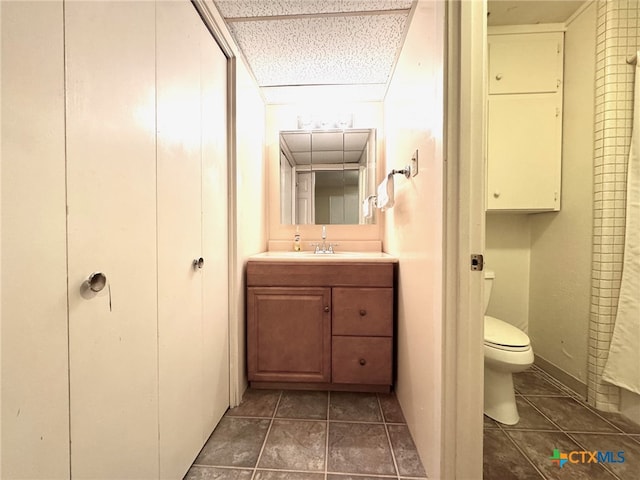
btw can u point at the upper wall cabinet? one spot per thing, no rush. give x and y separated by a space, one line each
524 122
525 63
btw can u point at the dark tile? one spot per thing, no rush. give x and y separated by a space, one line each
620 421
308 405
354 407
503 461
273 475
407 458
295 445
359 448
531 383
530 418
570 415
236 442
539 447
214 473
256 403
627 467
489 422
391 408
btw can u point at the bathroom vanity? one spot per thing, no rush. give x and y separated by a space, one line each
321 321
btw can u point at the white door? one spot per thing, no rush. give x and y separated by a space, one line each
305 188
192 224
111 196
215 287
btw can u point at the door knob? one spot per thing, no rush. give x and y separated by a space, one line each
198 263
363 312
362 362
94 284
499 77
326 309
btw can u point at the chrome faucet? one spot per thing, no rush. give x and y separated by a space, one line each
323 248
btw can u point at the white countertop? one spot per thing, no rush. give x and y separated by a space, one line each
308 256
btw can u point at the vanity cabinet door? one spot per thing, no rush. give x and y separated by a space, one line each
289 334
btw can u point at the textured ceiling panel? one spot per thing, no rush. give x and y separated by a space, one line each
262 8
321 50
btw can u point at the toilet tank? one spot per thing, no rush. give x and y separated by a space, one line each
489 275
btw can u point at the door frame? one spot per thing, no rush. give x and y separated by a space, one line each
463 371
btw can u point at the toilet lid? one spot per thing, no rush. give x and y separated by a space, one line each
498 332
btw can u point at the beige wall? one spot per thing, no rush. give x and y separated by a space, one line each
285 117
414 227
507 253
561 242
251 190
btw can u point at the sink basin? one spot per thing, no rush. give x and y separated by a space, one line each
324 257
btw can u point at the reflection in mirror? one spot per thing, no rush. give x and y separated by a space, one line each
325 175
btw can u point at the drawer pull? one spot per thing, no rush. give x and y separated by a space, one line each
363 313
326 309
363 362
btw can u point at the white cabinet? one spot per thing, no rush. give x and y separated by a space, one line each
114 159
524 122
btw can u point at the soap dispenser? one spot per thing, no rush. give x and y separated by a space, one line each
297 240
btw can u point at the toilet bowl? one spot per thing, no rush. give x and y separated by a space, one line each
507 350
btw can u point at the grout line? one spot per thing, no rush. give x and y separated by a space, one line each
521 450
584 448
266 437
326 443
386 430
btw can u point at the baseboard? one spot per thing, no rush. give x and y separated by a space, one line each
561 376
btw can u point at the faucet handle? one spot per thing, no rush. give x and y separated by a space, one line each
331 245
316 247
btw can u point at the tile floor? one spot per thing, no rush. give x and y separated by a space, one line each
551 417
291 435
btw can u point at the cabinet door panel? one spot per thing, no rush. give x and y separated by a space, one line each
525 63
362 311
111 194
523 152
289 334
363 360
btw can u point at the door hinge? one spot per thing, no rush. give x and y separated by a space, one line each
477 262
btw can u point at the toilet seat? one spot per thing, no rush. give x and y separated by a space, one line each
500 335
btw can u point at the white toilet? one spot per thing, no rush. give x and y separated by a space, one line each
507 350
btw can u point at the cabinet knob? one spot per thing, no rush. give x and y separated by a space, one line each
363 362
496 194
363 312
326 309
499 77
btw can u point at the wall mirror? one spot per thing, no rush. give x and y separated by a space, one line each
325 175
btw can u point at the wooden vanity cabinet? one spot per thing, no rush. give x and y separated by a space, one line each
320 325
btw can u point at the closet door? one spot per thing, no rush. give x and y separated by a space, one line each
192 303
215 292
35 387
111 194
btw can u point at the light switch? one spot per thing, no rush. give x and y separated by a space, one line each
414 164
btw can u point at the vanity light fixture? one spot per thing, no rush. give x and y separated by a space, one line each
325 122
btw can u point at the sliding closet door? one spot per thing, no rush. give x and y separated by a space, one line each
192 321
35 402
111 191
215 292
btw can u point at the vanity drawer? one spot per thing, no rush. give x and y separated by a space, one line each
362 360
362 311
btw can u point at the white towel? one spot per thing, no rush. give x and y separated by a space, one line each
385 193
367 210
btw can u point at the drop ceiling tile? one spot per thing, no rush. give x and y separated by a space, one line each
262 8
321 50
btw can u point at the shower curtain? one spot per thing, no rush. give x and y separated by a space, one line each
623 364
